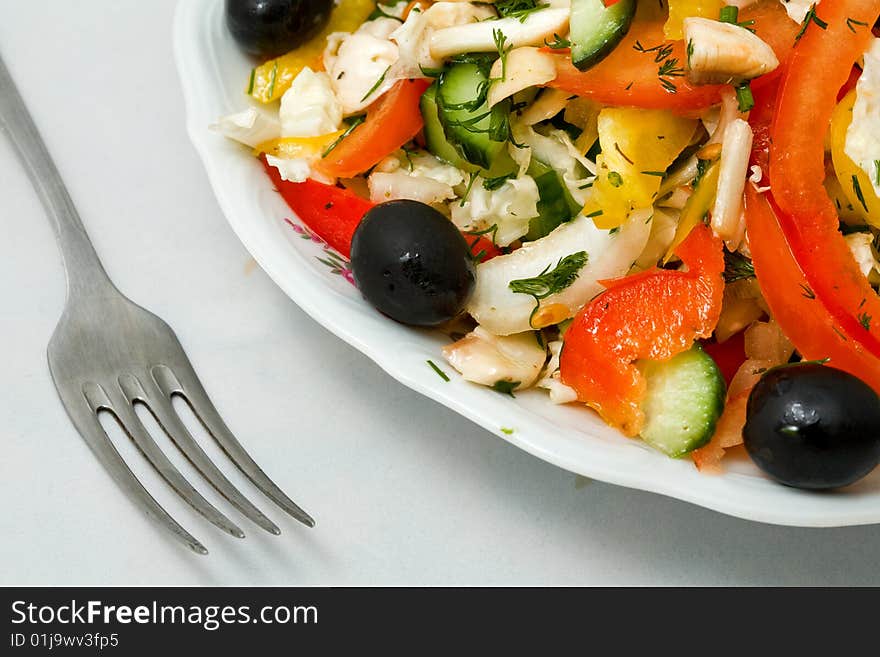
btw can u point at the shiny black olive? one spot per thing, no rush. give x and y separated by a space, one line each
813 426
268 28
412 263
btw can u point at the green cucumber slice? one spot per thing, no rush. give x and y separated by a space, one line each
685 398
435 138
556 205
468 122
596 29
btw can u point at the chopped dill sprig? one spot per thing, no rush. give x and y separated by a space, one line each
850 22
520 9
471 178
353 122
491 184
857 188
744 98
737 267
810 17
377 84
551 281
503 51
440 372
558 43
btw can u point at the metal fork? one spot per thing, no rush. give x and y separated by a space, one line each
109 354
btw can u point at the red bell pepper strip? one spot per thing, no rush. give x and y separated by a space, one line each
800 312
796 306
482 248
819 66
728 355
391 121
630 75
654 315
331 212
850 84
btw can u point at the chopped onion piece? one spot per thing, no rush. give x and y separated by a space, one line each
520 69
488 359
727 219
531 30
550 103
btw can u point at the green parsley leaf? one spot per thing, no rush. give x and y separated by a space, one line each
549 281
506 387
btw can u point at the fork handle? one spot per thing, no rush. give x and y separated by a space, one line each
85 273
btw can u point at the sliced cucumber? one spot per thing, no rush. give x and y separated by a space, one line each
435 139
553 209
596 29
684 401
556 205
468 122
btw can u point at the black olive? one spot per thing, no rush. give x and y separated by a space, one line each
812 426
268 28
412 263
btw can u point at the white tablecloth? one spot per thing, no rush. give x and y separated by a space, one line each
403 490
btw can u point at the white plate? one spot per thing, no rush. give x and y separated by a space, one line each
213 74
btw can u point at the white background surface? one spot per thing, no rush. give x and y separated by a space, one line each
403 490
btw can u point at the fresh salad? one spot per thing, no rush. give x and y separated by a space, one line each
667 211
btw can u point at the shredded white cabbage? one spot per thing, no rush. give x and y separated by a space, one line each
418 176
251 127
863 135
510 207
309 108
551 379
861 245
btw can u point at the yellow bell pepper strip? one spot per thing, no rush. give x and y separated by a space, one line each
697 206
681 9
856 185
271 79
304 147
637 147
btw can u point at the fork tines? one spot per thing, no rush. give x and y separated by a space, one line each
155 389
